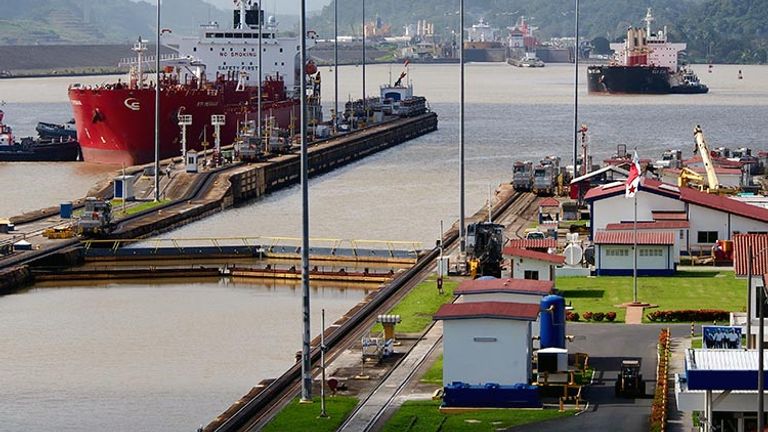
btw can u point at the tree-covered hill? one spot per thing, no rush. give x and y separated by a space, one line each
724 30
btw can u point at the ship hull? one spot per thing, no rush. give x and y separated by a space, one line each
37 151
628 79
116 126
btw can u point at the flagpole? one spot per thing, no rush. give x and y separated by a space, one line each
634 250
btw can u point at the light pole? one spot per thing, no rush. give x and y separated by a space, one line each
306 371
365 104
576 94
749 298
761 295
323 413
157 107
261 53
335 63
760 359
462 227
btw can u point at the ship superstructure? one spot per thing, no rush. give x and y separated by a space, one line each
213 74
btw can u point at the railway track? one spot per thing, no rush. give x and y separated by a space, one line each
513 212
256 412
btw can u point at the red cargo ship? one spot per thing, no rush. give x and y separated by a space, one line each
116 122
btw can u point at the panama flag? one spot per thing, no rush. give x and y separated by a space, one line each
633 181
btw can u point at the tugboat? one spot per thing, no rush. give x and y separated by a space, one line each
35 150
646 63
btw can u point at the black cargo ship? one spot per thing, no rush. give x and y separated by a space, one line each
646 63
628 79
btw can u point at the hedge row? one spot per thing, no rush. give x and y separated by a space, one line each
591 316
660 406
689 315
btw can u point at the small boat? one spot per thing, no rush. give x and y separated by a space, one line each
53 130
528 61
36 149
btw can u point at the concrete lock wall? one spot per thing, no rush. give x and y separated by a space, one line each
11 280
502 347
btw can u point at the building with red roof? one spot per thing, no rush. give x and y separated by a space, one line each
506 290
541 245
614 255
531 264
758 244
711 217
487 342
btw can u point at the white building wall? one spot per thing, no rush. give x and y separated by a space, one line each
505 361
681 240
619 209
521 265
706 219
743 225
622 262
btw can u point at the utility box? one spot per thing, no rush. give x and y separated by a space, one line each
65 210
123 188
190 160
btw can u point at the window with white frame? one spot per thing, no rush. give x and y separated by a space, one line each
617 252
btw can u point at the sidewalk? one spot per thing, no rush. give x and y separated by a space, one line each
679 421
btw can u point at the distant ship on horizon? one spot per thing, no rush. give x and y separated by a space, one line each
646 63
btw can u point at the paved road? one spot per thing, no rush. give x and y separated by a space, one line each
607 345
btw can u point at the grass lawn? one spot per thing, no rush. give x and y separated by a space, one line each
686 290
117 207
418 307
423 416
303 417
435 373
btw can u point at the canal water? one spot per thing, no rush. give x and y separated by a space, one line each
151 356
146 356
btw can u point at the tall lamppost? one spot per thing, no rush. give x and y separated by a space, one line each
462 226
761 295
335 63
365 104
576 94
306 371
157 107
261 76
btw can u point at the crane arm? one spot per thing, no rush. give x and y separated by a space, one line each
701 145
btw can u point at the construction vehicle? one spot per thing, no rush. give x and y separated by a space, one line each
484 249
96 218
713 184
630 381
64 232
690 178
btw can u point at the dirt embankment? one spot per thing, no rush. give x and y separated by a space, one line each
63 59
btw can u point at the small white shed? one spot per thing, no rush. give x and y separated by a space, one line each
530 264
487 342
